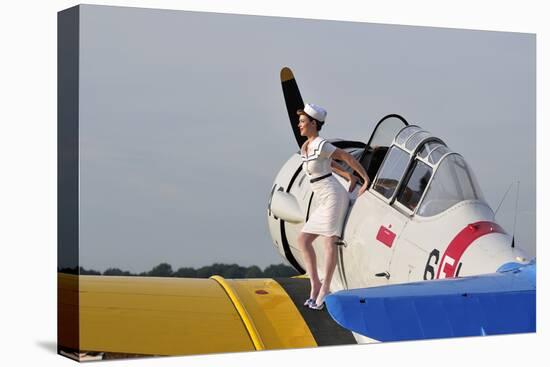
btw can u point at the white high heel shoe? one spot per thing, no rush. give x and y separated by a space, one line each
320 306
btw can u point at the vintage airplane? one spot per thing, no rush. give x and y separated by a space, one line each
423 219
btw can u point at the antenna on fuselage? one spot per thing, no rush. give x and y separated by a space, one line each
515 217
515 211
504 197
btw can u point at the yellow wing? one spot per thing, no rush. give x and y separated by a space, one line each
182 316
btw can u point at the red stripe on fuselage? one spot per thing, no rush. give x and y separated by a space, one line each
459 244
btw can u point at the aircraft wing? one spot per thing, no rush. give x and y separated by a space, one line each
499 303
131 316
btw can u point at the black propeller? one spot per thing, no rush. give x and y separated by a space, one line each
293 101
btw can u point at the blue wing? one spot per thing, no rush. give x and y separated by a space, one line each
499 303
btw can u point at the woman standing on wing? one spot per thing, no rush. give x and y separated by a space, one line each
327 220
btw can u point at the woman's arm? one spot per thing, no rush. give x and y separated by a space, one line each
342 155
340 170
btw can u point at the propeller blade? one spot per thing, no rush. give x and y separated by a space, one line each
293 101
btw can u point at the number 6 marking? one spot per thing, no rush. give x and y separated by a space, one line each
430 267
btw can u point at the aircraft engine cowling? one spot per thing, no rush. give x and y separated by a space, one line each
287 208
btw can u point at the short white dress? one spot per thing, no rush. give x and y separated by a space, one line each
328 218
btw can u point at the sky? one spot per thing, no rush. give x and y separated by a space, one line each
183 126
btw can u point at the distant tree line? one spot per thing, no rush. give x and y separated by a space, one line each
230 271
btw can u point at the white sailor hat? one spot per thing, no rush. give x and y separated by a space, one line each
318 113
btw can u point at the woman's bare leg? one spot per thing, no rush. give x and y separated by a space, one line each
305 243
330 266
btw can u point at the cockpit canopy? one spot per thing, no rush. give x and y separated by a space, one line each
452 183
419 174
